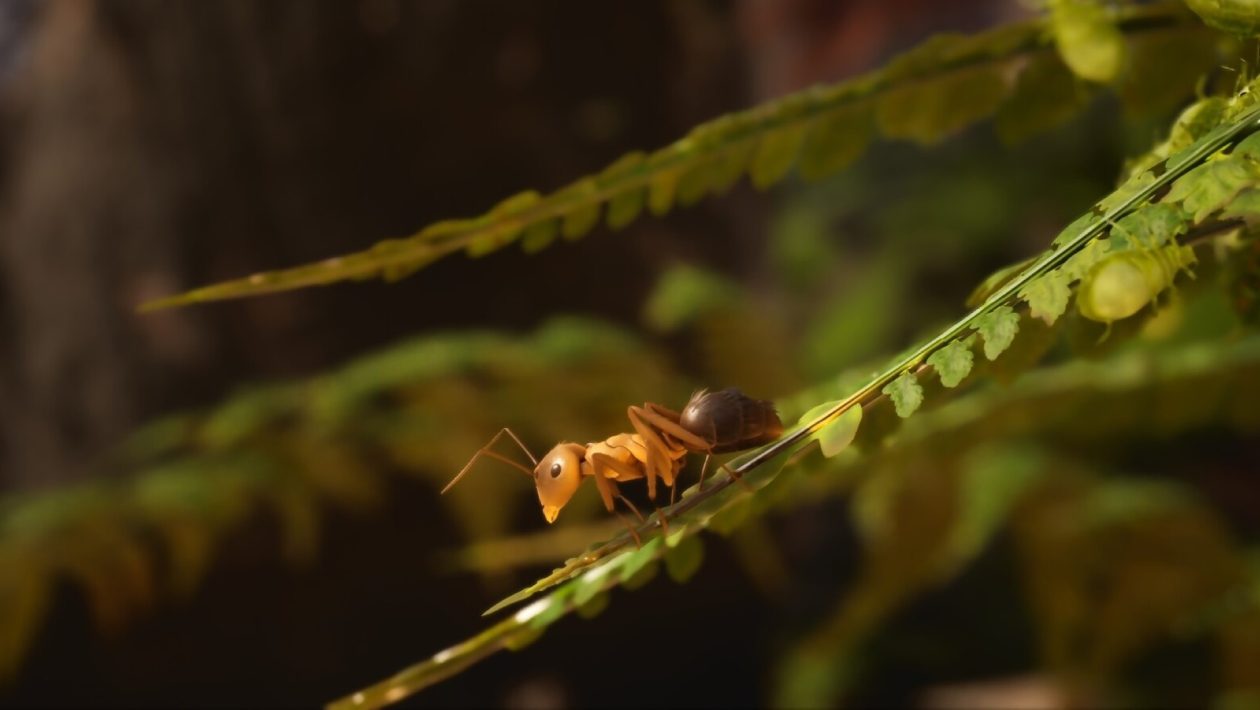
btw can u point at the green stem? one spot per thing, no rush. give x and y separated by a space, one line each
1173 168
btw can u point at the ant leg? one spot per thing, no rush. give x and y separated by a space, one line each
656 449
652 414
663 411
737 477
638 541
661 518
607 489
602 461
635 511
486 451
632 508
703 470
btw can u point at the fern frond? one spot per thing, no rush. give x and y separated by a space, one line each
288 450
925 95
1047 399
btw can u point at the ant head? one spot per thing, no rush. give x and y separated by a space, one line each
557 477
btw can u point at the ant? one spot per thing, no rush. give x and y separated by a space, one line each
711 423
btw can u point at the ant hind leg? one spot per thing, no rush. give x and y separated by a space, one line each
737 477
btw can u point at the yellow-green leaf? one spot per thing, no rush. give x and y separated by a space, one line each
682 560
952 362
540 235
927 113
1047 296
775 155
836 139
580 220
1240 17
1212 185
998 328
1087 39
837 434
906 394
661 191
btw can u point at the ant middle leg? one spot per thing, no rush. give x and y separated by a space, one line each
737 477
607 492
659 459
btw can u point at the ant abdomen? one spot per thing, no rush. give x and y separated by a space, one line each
730 420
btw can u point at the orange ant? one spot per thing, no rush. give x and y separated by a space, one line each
711 423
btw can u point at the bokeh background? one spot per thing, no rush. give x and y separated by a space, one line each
150 147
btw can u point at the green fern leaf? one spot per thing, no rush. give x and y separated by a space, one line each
998 329
1149 226
583 218
906 394
625 206
928 113
835 140
1047 296
1212 185
540 235
1071 232
662 189
594 606
642 576
1087 39
684 559
952 362
1245 206
776 154
839 432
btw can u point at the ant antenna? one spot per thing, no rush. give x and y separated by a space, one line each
485 451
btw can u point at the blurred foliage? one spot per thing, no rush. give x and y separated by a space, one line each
289 450
925 95
1026 412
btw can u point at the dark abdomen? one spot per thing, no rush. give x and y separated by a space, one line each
731 420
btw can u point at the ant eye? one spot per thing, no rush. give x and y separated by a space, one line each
555 469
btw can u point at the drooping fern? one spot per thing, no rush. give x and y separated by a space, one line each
929 93
151 532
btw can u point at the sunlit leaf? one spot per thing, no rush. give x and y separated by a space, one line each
998 328
837 434
906 394
1087 38
952 362
1212 185
1047 296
